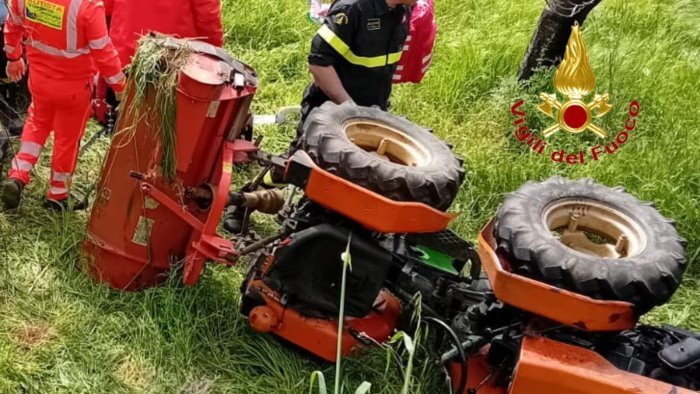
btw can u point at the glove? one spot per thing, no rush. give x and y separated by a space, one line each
15 69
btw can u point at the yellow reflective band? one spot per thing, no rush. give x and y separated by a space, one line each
344 50
267 180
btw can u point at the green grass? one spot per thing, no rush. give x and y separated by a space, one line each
60 332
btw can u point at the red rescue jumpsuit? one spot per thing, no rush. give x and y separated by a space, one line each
67 42
200 19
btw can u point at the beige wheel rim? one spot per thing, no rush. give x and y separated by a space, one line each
594 228
387 143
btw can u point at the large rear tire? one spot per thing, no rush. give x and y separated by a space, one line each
383 153
591 239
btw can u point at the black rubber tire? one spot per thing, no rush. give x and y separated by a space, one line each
646 279
435 183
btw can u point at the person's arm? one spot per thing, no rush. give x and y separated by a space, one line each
101 47
207 21
330 45
14 32
326 78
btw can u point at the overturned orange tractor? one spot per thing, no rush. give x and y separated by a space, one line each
548 304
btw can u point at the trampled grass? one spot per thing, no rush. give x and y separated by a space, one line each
60 332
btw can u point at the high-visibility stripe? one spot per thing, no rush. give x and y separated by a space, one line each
98 43
60 176
31 148
9 49
17 19
72 25
21 165
53 190
344 50
49 50
115 79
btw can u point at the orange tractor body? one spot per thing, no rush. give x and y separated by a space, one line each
519 335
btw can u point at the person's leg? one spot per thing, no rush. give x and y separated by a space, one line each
9 109
69 125
549 41
235 214
36 131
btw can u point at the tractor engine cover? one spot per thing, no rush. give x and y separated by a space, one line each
308 269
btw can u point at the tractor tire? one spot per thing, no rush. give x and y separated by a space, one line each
383 153
593 240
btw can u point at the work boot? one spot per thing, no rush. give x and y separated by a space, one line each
12 193
234 218
66 204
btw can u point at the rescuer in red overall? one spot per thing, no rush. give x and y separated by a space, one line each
128 20
67 42
131 19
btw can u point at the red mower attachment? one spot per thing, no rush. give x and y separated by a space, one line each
143 225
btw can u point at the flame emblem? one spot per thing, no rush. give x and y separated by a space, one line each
574 79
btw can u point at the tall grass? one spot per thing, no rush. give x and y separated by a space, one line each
60 332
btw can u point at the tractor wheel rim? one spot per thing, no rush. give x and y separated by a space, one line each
594 228
387 143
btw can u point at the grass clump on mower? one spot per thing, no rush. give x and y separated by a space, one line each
154 70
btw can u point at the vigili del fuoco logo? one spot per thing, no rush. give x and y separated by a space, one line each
576 112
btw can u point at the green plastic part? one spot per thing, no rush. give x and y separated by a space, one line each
436 259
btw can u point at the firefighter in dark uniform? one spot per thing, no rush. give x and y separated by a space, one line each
353 57
354 53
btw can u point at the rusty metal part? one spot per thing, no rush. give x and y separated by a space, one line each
268 201
387 143
594 228
255 246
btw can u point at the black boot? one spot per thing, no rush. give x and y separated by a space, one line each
66 204
12 193
234 218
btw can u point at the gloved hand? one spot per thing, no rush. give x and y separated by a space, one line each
15 69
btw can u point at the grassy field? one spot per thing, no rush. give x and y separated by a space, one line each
60 332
